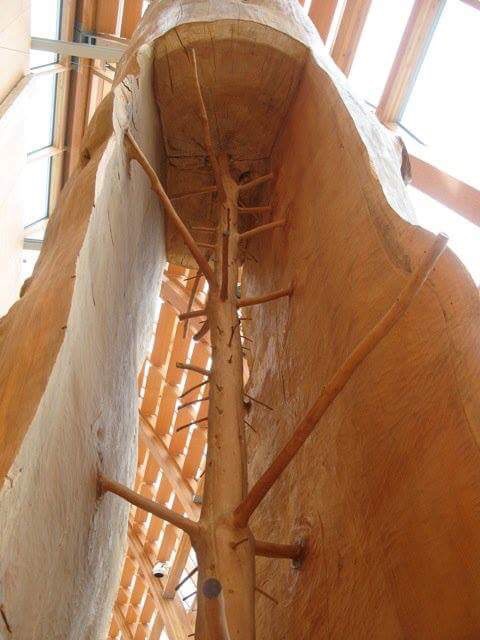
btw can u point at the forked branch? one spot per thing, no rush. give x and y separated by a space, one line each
244 511
137 154
185 524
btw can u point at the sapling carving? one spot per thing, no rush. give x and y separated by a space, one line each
222 538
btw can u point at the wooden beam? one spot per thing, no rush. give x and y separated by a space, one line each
79 91
349 32
444 188
132 12
411 52
122 623
172 612
170 467
175 574
321 14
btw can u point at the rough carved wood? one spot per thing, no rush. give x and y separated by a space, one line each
265 165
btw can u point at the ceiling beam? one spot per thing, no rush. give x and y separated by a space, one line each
321 14
410 55
79 49
450 191
349 32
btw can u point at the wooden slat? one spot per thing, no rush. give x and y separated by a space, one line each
349 32
411 51
106 18
172 612
175 574
321 13
444 188
132 12
170 467
122 623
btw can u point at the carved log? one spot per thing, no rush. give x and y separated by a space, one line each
386 491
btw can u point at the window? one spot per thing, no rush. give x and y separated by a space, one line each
40 121
464 235
378 46
45 23
444 105
38 190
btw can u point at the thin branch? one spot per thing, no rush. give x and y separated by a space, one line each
248 302
206 245
192 194
267 595
190 595
259 402
186 579
206 129
255 182
191 298
266 209
137 154
202 332
190 424
271 550
189 404
203 228
250 425
196 386
214 607
329 392
185 524
262 228
224 282
198 313
192 367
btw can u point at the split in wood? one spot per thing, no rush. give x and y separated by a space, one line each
192 367
190 424
265 209
199 192
137 154
189 404
331 390
262 228
185 524
249 302
255 182
224 285
186 579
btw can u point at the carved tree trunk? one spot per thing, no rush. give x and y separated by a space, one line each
350 332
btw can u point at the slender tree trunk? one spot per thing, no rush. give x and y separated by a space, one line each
226 551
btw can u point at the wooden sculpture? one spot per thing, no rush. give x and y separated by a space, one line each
233 131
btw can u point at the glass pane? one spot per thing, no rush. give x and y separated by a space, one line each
45 18
45 23
384 27
41 112
41 58
444 106
464 235
37 190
